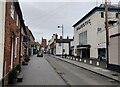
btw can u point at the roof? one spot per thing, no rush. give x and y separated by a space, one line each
63 40
19 12
31 34
94 10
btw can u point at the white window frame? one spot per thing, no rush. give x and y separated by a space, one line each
83 38
12 9
16 46
17 21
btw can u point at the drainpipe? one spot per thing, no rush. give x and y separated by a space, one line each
20 45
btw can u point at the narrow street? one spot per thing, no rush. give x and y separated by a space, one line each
39 72
74 75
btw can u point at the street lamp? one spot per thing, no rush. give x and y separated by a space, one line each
61 26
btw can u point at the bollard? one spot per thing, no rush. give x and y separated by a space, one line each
84 61
73 58
106 65
76 59
90 61
98 63
80 60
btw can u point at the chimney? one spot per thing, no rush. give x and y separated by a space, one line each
56 36
60 37
67 37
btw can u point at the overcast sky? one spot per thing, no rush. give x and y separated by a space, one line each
43 16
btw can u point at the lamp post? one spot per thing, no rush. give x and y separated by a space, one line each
61 26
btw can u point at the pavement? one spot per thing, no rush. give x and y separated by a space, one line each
39 72
96 69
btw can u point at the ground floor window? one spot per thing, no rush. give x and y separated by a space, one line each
102 53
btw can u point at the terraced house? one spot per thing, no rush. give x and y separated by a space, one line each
11 21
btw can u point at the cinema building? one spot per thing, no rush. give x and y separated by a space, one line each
90 33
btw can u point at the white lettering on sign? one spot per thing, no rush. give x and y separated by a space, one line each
84 24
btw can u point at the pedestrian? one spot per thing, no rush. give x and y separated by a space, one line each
65 55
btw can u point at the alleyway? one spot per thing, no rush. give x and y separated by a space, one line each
39 72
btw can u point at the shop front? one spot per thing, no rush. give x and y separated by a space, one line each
83 51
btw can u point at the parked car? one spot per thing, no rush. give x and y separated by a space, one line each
40 54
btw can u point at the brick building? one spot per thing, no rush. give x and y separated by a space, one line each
13 25
31 42
43 44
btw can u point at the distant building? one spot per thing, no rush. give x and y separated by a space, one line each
31 43
59 46
51 44
43 44
62 46
37 46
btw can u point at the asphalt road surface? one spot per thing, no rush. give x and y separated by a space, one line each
74 75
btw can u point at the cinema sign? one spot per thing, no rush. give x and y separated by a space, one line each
84 24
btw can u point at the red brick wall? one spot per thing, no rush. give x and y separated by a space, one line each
10 26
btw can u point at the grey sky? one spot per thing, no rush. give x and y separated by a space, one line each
44 17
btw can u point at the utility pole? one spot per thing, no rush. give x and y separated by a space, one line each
107 32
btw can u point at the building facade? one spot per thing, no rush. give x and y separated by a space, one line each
59 46
12 49
62 47
51 44
90 34
114 48
43 44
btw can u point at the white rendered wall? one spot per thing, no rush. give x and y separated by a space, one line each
59 48
95 39
2 31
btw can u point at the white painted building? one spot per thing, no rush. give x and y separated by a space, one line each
72 47
51 44
62 45
90 34
59 46
114 47
2 31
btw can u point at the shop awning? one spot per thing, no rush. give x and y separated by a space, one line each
83 46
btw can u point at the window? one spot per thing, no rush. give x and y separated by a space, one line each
17 21
83 38
59 44
102 14
12 9
16 45
99 30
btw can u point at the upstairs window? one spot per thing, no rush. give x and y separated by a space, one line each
83 38
12 9
99 30
102 14
17 21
